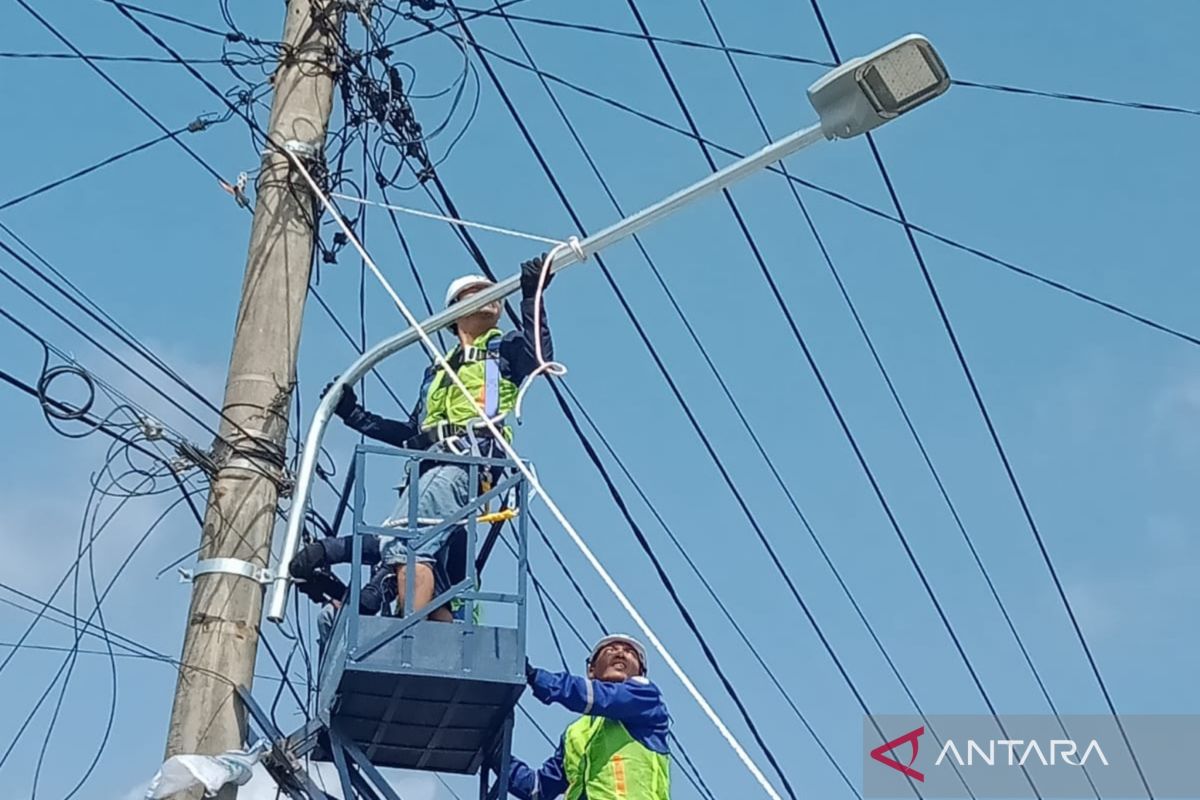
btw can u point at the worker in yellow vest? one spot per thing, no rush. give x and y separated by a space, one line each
492 365
618 749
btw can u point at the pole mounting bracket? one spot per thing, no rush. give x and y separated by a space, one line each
227 566
303 149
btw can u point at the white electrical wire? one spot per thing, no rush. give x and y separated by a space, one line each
551 506
548 367
416 212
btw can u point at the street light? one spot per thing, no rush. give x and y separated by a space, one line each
850 99
862 94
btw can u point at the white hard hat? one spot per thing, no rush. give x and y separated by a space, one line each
624 639
460 285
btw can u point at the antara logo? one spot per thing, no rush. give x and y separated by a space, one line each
1020 750
912 738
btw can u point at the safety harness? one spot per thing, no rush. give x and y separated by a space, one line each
464 439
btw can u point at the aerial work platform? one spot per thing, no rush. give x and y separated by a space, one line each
434 698
408 693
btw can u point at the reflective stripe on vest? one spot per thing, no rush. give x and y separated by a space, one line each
491 387
603 762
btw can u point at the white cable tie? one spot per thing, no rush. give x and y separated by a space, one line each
576 247
416 212
551 506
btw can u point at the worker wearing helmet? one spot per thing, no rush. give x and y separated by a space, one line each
618 749
491 364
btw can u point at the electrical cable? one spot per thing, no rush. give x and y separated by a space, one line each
533 481
695 423
232 109
783 484
63 411
441 28
597 463
894 394
125 562
483 264
992 431
544 595
115 85
111 58
328 310
121 7
177 20
97 425
826 391
905 223
199 124
728 50
252 455
843 198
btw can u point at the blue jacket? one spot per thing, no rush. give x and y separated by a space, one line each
517 356
636 703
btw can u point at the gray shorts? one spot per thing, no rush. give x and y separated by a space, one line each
443 490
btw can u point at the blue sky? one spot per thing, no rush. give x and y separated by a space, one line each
1098 414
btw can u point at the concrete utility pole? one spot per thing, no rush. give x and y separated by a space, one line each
222 627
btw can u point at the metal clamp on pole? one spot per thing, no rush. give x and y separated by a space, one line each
227 566
308 150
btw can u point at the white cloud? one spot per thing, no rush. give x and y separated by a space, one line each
41 528
206 377
42 499
1077 401
1175 415
1155 588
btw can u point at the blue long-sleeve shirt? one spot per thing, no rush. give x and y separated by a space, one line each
517 357
636 703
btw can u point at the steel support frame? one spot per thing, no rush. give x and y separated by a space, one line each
358 777
414 536
498 760
281 762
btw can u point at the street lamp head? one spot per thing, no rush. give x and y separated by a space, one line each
862 94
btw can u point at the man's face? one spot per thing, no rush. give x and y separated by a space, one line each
483 319
615 662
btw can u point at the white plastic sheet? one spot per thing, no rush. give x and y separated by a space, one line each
182 772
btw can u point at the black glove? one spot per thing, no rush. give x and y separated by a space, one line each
313 578
321 586
531 270
530 671
305 561
346 403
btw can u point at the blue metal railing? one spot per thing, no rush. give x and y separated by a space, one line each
508 482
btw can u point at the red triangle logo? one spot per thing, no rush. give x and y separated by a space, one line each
910 738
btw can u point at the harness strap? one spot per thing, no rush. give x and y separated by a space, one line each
472 354
440 433
452 435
